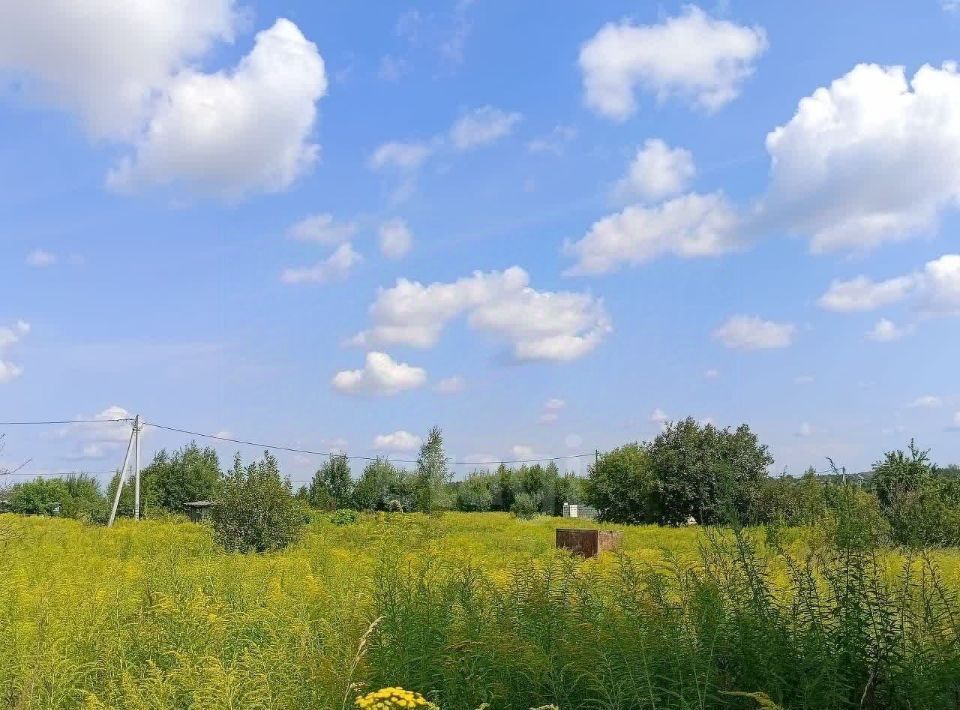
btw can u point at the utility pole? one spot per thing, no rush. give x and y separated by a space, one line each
136 480
123 474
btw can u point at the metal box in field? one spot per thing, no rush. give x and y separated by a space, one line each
587 543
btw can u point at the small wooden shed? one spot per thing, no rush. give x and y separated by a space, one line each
198 510
587 543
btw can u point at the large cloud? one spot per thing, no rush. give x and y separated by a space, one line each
873 158
380 375
129 70
539 325
106 59
934 290
688 226
233 132
693 56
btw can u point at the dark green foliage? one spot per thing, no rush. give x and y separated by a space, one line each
69 497
255 510
901 473
475 493
432 475
332 485
383 486
709 473
622 487
831 629
190 474
344 516
525 505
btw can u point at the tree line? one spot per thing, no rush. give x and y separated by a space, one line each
689 473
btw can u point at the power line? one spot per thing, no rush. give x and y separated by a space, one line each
56 474
68 421
309 452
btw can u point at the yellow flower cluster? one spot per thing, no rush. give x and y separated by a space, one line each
390 698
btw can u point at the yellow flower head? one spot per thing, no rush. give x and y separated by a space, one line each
392 698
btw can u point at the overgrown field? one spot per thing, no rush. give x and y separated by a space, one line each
469 609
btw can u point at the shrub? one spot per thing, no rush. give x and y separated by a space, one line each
383 486
69 497
255 510
525 506
344 516
187 475
622 487
332 485
475 493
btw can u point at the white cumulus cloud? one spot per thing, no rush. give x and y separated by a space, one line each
551 410
885 331
863 294
396 239
322 229
657 171
335 267
482 126
688 226
381 375
397 441
230 133
933 290
10 336
927 401
539 325
743 332
873 158
41 258
399 155
691 56
450 385
105 59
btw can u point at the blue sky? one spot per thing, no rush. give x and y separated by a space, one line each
544 228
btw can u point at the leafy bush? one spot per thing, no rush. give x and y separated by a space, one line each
187 475
69 497
475 493
344 516
332 485
255 510
525 505
383 486
622 487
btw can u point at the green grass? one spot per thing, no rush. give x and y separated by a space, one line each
473 608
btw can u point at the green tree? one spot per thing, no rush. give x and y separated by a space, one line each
255 510
77 497
189 474
707 472
899 473
475 492
622 486
432 474
332 485
383 486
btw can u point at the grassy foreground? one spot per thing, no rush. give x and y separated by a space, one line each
471 609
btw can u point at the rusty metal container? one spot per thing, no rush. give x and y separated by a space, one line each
587 543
